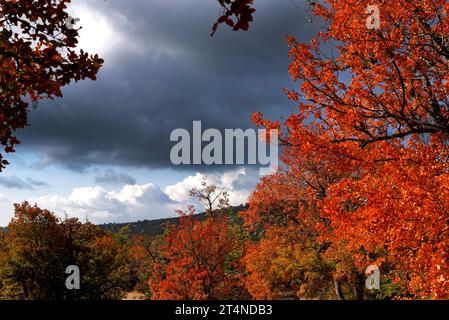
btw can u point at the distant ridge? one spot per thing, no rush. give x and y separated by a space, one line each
150 227
155 227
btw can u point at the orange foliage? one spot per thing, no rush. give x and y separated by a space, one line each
201 261
372 127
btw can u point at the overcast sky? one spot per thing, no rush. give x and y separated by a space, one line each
102 151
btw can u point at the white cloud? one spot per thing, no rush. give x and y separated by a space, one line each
238 183
144 201
98 33
131 203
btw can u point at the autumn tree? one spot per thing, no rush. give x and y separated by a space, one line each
37 248
292 255
38 56
200 258
377 98
144 253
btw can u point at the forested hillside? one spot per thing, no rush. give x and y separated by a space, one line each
156 227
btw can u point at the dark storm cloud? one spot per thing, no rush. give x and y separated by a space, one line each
168 73
37 183
112 177
14 182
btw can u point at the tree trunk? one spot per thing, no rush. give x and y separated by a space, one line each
338 291
359 288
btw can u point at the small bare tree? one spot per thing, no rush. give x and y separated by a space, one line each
215 200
